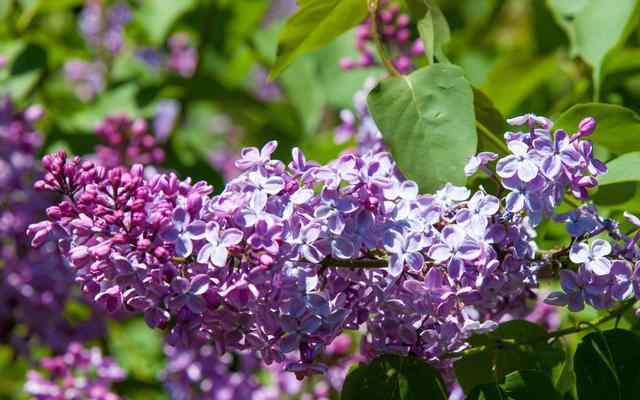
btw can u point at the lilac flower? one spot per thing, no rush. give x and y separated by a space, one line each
403 250
165 118
332 208
479 161
573 284
183 231
79 373
621 276
216 250
297 331
532 120
592 256
189 293
520 163
265 236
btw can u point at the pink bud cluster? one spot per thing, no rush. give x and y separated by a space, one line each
394 30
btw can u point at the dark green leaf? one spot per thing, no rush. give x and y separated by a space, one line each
475 369
427 119
618 127
434 31
594 27
315 24
513 346
487 392
607 367
489 121
394 377
529 385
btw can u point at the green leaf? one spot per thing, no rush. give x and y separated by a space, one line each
595 27
618 127
514 346
513 80
434 31
490 123
487 392
315 24
394 377
529 385
157 17
606 365
427 119
625 168
475 369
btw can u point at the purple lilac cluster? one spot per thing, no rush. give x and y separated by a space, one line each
360 125
79 373
127 141
259 266
202 373
183 58
544 166
88 79
395 34
103 27
607 271
35 285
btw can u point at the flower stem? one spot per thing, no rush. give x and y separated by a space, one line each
373 9
356 264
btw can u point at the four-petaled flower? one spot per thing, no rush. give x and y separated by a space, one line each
592 256
216 249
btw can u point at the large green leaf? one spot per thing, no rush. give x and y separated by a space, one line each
618 127
514 346
625 168
315 24
529 385
427 119
595 27
394 377
518 385
607 367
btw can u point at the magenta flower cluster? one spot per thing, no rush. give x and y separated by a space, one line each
395 34
79 373
35 284
289 256
128 141
103 27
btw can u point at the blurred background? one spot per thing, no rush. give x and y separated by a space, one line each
192 75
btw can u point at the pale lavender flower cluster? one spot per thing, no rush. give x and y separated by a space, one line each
274 266
204 374
103 27
88 79
127 141
395 33
607 271
543 166
35 285
79 373
360 125
183 58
